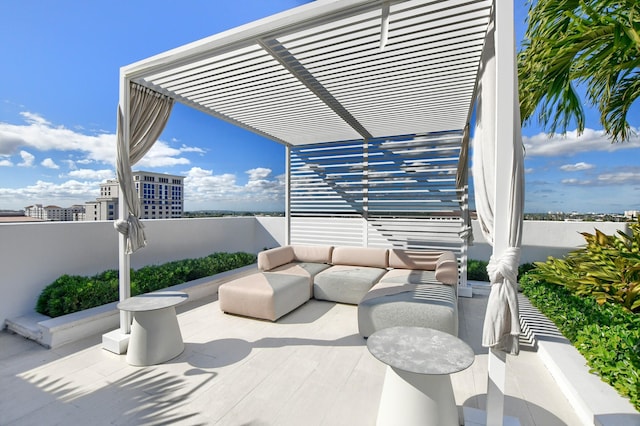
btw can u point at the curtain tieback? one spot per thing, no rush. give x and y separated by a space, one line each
504 267
124 225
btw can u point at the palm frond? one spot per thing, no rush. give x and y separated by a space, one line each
590 42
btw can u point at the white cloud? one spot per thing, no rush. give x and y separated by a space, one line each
5 162
203 186
620 178
185 148
591 140
574 181
162 155
89 174
258 173
49 163
71 165
33 118
39 134
577 167
27 159
63 194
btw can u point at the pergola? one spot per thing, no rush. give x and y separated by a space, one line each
373 101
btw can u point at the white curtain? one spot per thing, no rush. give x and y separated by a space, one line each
501 325
149 113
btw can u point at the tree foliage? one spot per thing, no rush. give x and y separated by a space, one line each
595 43
607 269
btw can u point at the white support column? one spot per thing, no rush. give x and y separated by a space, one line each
124 263
287 197
117 341
505 93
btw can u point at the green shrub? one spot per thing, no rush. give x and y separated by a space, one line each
606 334
477 270
72 293
607 268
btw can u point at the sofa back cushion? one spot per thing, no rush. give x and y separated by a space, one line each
414 259
272 258
447 268
312 254
360 256
444 263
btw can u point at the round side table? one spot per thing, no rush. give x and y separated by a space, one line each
155 333
417 388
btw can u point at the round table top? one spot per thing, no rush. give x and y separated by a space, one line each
420 350
153 301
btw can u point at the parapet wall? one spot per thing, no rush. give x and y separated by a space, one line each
32 255
541 239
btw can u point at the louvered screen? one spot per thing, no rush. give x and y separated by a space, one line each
398 192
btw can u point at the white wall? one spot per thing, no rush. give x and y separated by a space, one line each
541 239
32 255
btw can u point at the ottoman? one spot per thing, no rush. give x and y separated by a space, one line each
264 295
390 304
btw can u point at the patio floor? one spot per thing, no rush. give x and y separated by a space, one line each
310 368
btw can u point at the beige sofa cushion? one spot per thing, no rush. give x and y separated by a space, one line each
275 257
360 256
272 258
447 268
414 259
263 295
444 263
312 254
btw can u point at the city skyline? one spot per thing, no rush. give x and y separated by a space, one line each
57 117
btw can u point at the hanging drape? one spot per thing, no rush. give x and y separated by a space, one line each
148 115
501 325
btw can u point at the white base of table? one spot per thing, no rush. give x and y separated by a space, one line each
417 399
116 341
155 337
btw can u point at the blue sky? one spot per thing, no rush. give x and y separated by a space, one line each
59 93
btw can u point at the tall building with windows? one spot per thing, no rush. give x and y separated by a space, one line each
161 197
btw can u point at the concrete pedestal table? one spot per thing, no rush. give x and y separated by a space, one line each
155 333
417 387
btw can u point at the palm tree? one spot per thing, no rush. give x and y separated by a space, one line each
595 43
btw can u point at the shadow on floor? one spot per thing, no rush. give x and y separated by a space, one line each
223 352
541 415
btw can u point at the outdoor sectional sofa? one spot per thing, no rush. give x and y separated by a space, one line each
392 287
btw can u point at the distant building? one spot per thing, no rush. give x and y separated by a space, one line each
161 197
631 214
11 213
55 213
9 216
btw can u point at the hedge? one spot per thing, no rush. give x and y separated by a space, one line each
607 335
73 293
